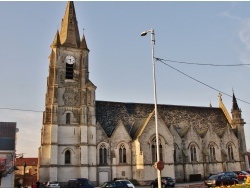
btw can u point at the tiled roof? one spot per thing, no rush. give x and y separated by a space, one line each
134 115
28 161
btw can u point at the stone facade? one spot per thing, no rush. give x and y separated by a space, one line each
103 140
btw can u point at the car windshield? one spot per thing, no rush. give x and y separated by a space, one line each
213 177
103 184
125 181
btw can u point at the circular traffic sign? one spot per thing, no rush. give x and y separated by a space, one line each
160 165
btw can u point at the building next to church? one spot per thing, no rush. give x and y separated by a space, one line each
103 140
7 153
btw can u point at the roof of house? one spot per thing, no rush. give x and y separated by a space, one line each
28 161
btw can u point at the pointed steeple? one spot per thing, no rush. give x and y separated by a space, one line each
56 42
69 34
235 105
83 44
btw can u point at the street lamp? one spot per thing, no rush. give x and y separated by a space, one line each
144 33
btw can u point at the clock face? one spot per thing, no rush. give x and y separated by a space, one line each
70 59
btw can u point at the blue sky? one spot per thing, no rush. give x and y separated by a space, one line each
120 59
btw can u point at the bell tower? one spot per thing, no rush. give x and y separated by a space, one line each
238 124
68 134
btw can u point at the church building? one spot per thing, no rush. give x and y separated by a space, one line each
82 137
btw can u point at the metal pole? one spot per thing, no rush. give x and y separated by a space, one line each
144 33
156 112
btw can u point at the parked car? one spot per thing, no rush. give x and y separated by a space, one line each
229 173
128 183
220 180
242 175
166 182
113 184
80 183
53 184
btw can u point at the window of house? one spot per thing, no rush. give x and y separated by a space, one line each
154 150
212 153
230 152
193 153
67 157
69 71
103 154
122 154
68 118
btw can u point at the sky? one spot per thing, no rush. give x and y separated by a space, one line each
120 61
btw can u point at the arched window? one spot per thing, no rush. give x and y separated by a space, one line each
69 71
230 152
68 118
212 153
175 153
67 157
103 155
193 153
122 154
154 150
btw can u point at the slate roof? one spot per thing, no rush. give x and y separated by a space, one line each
134 115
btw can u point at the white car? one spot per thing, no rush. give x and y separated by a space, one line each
53 184
129 184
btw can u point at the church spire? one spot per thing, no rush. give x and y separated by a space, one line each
235 105
69 34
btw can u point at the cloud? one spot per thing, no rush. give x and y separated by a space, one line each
227 13
244 37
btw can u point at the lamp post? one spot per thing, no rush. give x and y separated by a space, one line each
144 33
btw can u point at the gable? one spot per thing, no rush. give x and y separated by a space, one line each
120 133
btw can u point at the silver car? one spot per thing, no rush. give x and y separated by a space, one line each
53 184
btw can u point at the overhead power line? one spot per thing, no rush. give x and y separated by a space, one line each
19 109
158 59
206 64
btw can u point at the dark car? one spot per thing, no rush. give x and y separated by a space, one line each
165 182
127 183
229 173
80 183
221 180
242 175
114 184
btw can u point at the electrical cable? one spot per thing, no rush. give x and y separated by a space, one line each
19 109
207 64
158 59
